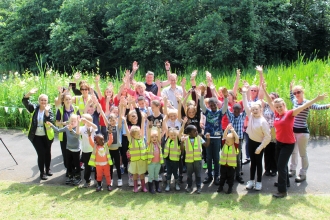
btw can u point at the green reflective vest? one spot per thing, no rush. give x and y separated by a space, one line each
193 153
228 156
137 149
91 161
172 150
48 130
80 102
75 109
150 153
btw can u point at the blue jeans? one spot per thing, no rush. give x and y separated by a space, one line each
213 155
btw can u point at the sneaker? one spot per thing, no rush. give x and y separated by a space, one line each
292 173
199 190
205 166
258 186
300 178
207 180
239 179
109 188
122 170
69 180
189 189
247 160
250 184
76 181
120 182
130 182
87 184
99 188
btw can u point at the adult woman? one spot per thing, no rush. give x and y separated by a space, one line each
285 139
62 118
39 134
259 137
140 90
301 131
81 101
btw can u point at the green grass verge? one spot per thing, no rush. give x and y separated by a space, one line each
22 201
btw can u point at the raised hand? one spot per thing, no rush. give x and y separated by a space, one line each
321 97
47 107
193 75
259 69
77 76
97 78
89 131
208 75
158 83
167 65
135 66
33 91
185 119
291 85
238 72
225 92
183 82
94 98
202 87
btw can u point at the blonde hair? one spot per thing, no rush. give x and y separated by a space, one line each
298 87
172 111
231 92
140 84
88 117
191 102
73 116
112 116
279 100
173 130
134 128
42 96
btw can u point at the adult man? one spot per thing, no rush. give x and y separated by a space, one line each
173 90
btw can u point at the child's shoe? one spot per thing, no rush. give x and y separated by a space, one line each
230 190
250 184
120 182
177 185
220 189
99 188
258 186
77 180
199 190
168 186
109 188
189 189
151 187
157 187
69 180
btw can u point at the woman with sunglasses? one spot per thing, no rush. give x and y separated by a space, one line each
301 131
285 138
82 100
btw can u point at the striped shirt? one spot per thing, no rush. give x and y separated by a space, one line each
300 121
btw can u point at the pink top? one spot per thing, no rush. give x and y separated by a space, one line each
284 127
149 96
156 158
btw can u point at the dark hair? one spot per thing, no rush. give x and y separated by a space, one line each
98 136
214 100
237 106
189 129
274 94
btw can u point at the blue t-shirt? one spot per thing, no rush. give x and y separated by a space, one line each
213 123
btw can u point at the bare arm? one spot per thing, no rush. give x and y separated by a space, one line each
245 103
238 76
308 104
269 100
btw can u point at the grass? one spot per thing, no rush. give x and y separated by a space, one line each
44 201
313 75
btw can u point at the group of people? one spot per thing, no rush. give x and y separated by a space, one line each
160 128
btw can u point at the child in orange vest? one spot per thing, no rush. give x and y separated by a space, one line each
155 156
137 154
100 159
193 147
228 160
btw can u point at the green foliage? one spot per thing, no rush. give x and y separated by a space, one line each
75 34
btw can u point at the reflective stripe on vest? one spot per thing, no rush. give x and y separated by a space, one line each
137 149
172 150
228 156
75 109
91 161
150 153
193 153
48 129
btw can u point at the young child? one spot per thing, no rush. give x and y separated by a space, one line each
86 148
100 159
137 154
72 149
116 130
172 154
228 160
193 147
155 157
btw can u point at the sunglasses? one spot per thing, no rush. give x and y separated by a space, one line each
296 93
253 90
83 89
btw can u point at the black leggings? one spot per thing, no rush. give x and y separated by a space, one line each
63 148
256 160
43 147
123 150
88 169
73 157
115 157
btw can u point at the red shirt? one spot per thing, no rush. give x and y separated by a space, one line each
102 101
284 127
116 101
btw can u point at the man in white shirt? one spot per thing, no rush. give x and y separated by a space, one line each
171 91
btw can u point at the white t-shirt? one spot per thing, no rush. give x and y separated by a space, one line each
84 143
176 124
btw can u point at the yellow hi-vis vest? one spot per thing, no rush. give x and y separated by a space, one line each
228 156
172 150
193 153
48 130
150 153
137 149
80 102
75 109
91 161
